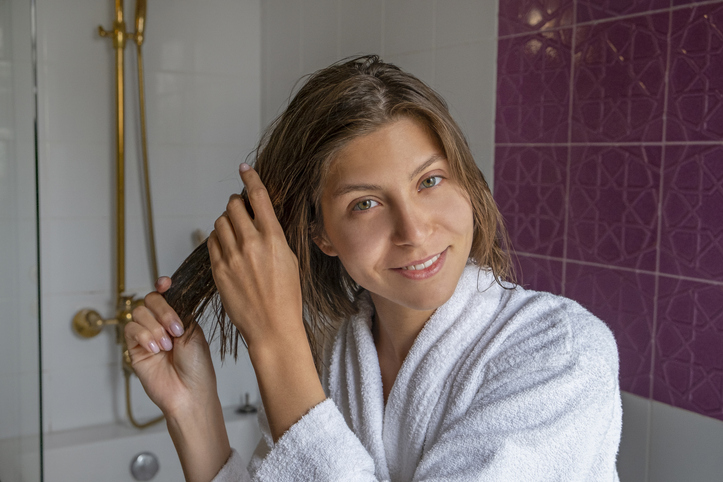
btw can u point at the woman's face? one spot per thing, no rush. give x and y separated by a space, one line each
400 225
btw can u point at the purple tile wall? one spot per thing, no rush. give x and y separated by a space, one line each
609 174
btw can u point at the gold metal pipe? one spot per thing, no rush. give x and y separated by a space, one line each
140 21
144 144
87 322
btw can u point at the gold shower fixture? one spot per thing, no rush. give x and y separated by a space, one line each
87 322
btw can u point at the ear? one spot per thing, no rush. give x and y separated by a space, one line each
322 241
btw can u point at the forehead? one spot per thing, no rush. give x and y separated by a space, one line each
393 148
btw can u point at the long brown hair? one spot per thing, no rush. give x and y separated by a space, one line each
337 104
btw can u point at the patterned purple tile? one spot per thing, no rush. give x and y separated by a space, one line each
689 359
539 274
695 99
530 192
533 84
597 10
691 242
624 301
613 205
519 16
619 88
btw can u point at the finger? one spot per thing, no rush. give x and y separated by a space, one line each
225 233
214 248
239 216
265 217
163 284
162 314
137 335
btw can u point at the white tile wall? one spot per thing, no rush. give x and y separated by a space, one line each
449 45
19 374
203 80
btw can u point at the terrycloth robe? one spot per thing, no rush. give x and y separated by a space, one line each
500 385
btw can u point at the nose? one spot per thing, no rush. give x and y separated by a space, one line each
412 225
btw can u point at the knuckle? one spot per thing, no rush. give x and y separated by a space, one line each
258 192
137 312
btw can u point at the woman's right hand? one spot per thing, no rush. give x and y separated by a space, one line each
174 366
177 373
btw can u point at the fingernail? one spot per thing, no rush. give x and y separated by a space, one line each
244 167
166 343
177 328
153 347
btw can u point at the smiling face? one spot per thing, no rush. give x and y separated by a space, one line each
400 225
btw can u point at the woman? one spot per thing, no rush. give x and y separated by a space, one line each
367 280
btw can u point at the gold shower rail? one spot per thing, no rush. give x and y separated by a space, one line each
88 323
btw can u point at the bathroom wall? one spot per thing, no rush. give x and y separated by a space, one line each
450 45
19 347
609 172
202 81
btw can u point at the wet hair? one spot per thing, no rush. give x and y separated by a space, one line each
337 104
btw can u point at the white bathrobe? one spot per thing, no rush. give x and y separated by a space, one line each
500 385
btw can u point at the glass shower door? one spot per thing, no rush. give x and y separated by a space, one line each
20 392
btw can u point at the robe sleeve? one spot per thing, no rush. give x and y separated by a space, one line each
538 416
320 446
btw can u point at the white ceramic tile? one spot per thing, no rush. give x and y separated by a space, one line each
6 100
234 378
63 349
10 403
167 107
684 445
23 106
360 27
17 32
78 255
175 239
465 77
29 403
218 36
10 339
77 180
195 108
68 33
632 460
408 26
320 34
420 64
139 277
218 110
81 397
460 21
76 104
9 267
219 176
280 54
483 153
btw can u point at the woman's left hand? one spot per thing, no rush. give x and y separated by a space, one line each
256 273
257 276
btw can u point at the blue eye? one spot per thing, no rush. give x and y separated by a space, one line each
430 182
364 205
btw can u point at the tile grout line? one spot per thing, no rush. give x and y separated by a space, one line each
620 268
656 289
610 144
610 19
568 165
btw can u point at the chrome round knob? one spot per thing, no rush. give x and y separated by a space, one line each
144 466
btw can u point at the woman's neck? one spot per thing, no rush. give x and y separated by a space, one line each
394 329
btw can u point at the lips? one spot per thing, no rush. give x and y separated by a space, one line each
424 265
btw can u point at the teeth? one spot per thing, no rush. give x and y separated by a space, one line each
429 263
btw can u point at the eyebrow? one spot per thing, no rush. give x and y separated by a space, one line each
375 187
